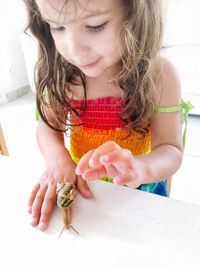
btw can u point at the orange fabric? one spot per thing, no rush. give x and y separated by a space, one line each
84 139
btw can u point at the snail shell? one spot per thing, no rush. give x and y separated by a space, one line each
66 194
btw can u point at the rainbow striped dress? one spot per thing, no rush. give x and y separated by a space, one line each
100 122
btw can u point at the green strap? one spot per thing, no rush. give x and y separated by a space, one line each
37 115
168 109
184 107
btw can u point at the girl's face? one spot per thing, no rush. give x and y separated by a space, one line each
85 32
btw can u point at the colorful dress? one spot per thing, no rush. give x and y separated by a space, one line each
100 122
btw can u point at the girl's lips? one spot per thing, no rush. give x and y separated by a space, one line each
88 66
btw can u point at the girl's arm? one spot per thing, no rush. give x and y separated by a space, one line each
166 128
59 167
51 144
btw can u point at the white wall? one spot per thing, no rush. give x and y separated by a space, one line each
182 46
12 63
182 22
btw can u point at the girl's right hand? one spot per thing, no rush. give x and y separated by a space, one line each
43 196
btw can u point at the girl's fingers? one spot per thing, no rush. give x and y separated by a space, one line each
104 149
123 156
122 179
127 179
103 171
93 174
91 159
47 207
123 161
111 171
32 197
37 204
84 163
83 188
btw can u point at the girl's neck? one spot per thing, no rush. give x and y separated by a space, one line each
100 87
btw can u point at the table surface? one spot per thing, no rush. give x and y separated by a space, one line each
118 227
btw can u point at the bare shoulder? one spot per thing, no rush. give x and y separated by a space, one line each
168 87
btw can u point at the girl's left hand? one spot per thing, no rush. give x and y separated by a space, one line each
112 161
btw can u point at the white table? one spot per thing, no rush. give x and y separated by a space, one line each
118 227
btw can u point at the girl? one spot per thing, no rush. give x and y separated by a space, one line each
99 75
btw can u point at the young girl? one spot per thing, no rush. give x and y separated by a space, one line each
99 75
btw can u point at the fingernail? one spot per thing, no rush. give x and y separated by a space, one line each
84 177
103 159
34 221
42 226
87 189
116 181
29 209
88 192
77 171
92 163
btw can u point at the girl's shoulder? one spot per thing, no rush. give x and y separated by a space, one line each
167 83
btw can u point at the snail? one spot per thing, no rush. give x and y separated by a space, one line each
66 193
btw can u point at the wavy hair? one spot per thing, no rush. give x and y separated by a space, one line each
141 37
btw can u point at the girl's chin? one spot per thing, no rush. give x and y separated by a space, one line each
93 73
98 71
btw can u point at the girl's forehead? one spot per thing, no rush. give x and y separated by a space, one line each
70 10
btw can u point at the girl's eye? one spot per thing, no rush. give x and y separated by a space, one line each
57 29
97 28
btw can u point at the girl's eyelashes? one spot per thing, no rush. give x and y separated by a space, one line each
97 28
57 29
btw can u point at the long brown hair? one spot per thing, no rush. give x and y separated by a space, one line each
141 35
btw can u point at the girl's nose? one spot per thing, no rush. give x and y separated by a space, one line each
77 45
